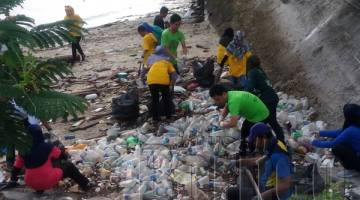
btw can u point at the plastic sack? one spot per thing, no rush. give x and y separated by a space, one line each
204 72
126 106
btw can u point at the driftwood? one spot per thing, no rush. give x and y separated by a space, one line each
85 92
96 137
83 127
89 122
201 47
98 116
103 69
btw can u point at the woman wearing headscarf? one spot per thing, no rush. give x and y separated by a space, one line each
346 141
225 39
259 84
161 76
45 165
238 52
75 31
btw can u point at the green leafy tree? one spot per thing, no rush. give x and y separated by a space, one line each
27 79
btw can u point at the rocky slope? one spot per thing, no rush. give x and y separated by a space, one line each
309 48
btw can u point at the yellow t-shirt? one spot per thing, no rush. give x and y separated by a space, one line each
221 52
78 22
159 73
237 66
149 45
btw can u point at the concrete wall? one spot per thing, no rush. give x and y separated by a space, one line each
308 47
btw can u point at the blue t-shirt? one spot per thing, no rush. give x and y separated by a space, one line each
349 136
277 166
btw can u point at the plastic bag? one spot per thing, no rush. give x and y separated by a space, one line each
204 72
126 106
182 177
92 156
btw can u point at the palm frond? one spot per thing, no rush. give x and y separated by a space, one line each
11 91
12 130
27 79
21 20
7 5
48 105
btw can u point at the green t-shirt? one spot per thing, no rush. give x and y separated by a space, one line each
171 40
247 105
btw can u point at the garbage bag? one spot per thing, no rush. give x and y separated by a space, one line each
204 72
126 106
305 177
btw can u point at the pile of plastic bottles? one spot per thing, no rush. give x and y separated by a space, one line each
153 165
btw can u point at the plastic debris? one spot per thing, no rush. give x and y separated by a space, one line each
91 96
150 163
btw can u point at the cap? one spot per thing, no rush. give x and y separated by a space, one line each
258 130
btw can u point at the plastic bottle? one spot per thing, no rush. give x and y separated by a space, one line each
158 162
91 96
161 191
165 141
143 187
2 177
137 151
170 192
174 161
145 127
203 181
171 129
216 184
130 173
128 183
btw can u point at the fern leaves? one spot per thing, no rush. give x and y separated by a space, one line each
7 5
48 105
12 131
27 79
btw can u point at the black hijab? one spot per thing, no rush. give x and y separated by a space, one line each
351 115
227 37
39 151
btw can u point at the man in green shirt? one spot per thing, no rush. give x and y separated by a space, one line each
239 104
171 38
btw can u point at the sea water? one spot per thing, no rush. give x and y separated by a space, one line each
93 12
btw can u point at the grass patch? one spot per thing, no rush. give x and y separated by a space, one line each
334 191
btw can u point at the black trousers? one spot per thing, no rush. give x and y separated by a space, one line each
347 157
271 120
76 46
10 155
156 90
71 171
238 193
